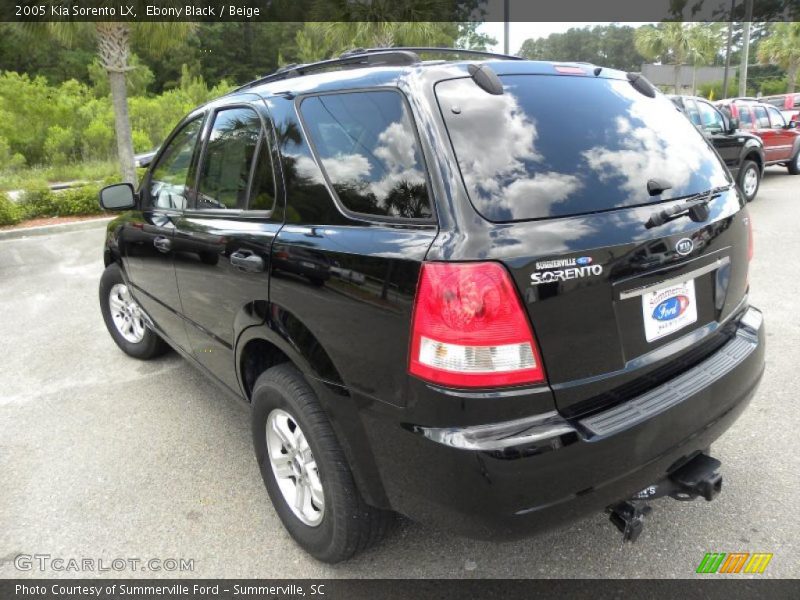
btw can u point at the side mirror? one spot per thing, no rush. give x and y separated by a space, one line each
119 196
792 125
733 124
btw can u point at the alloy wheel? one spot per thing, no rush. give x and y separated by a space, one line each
295 469
126 314
750 183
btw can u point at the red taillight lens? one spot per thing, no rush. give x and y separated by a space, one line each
469 328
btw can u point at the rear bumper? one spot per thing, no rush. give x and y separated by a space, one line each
496 482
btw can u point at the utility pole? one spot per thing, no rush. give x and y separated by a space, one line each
728 51
748 17
506 10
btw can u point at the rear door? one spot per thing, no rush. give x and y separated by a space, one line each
223 240
773 150
784 138
616 306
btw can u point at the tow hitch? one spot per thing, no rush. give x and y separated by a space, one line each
697 478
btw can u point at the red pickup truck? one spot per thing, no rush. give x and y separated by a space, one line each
781 137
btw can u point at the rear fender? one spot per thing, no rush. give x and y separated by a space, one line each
293 339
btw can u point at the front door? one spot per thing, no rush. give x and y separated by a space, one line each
223 242
149 236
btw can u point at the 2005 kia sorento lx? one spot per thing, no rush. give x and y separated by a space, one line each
490 294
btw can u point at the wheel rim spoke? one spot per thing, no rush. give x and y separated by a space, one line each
126 314
294 467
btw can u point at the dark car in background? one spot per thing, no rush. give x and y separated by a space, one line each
741 151
507 320
781 137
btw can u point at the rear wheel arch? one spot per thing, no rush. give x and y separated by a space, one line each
261 347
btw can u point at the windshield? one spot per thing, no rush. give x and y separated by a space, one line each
554 146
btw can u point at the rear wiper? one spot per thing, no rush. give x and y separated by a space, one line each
696 207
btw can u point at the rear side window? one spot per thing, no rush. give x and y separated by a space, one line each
367 146
745 118
711 118
554 146
761 117
776 118
228 159
692 112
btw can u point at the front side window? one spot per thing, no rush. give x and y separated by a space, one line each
710 117
761 117
365 142
228 160
776 118
168 183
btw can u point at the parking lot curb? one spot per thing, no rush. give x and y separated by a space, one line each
10 234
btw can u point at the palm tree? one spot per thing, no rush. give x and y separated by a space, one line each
705 43
319 40
339 25
113 42
782 48
668 42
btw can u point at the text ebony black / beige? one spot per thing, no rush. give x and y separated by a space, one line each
490 294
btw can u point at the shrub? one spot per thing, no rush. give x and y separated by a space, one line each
82 200
10 213
38 201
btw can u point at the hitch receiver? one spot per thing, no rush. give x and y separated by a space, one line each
698 477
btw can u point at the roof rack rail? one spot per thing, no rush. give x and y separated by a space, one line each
354 58
435 50
359 57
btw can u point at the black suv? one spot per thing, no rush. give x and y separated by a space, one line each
742 151
443 294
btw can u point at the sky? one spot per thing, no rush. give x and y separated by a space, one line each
519 32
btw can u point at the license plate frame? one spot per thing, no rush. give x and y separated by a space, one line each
669 309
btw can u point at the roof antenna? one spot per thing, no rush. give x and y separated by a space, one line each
486 79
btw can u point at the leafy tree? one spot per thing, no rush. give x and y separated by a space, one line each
782 48
705 43
606 45
113 47
319 40
667 42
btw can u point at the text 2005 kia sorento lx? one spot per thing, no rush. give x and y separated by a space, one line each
493 295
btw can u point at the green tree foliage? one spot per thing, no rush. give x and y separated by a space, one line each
606 45
71 122
782 48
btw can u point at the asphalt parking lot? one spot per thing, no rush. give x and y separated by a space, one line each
104 457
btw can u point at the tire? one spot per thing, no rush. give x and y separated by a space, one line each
794 164
142 342
342 524
749 176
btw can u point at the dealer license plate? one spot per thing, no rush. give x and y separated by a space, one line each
668 310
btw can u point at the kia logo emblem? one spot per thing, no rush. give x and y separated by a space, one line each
684 246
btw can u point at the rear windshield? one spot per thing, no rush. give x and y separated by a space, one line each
554 146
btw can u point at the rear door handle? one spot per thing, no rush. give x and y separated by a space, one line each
162 244
247 261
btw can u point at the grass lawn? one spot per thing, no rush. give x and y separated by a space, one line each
84 171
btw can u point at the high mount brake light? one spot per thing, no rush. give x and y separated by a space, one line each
469 328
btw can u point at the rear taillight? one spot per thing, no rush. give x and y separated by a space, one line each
469 328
